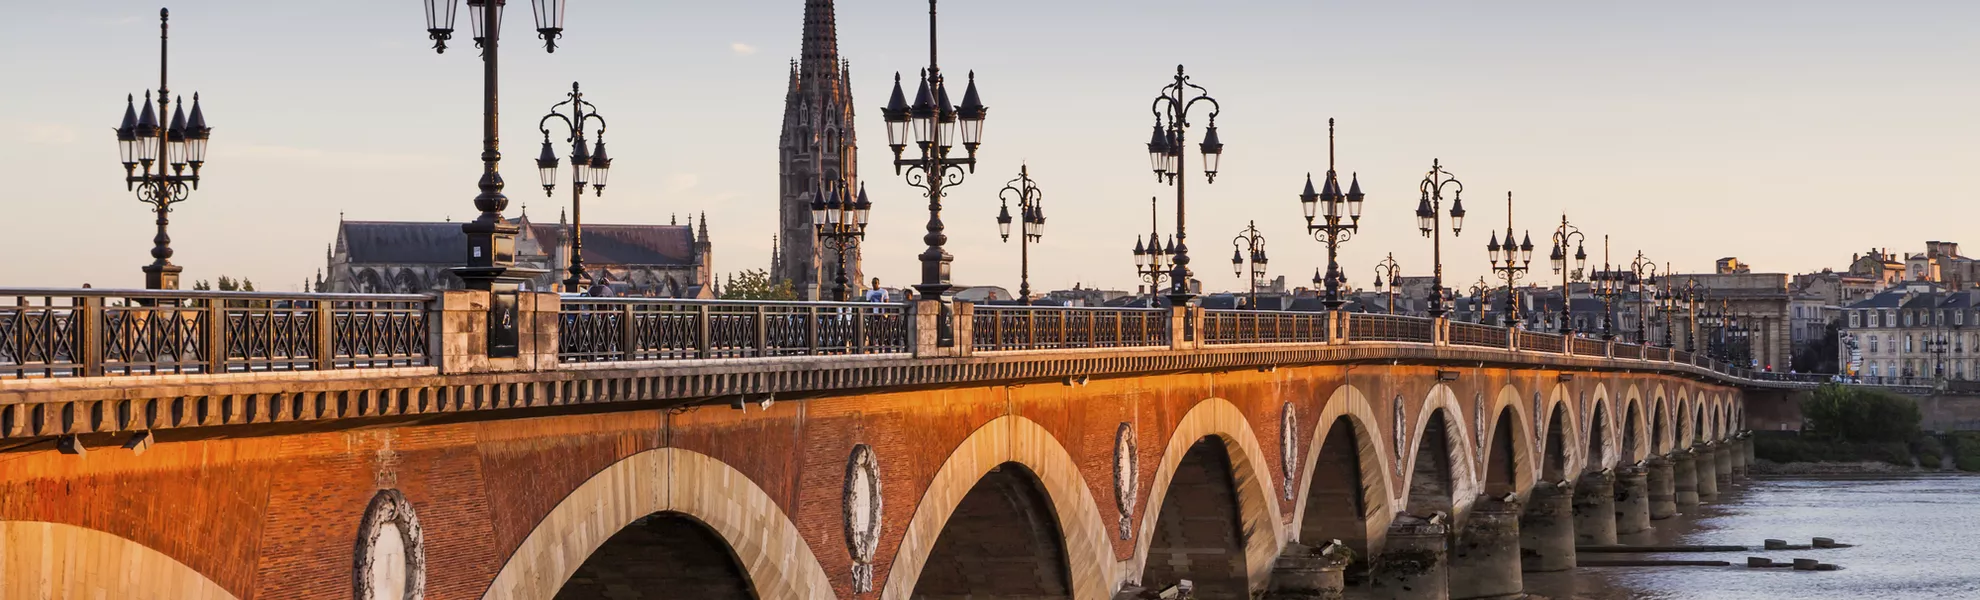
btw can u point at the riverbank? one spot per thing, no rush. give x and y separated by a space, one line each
1867 467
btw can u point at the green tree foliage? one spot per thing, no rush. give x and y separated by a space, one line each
225 284
1820 355
756 284
1854 414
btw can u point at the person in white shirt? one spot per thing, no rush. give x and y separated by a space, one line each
876 293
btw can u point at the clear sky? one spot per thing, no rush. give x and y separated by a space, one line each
1789 133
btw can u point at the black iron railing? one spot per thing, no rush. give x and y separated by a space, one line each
1589 347
1532 341
998 327
1473 334
1656 353
1681 356
1629 351
1366 327
76 333
1224 327
623 329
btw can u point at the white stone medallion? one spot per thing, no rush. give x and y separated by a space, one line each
1127 470
862 514
1400 421
390 555
1288 447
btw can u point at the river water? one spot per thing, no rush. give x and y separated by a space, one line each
1916 538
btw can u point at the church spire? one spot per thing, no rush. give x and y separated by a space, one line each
821 41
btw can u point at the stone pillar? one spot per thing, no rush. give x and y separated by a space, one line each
1411 565
458 332
1723 453
1306 573
1632 500
1595 509
1707 473
1485 561
1684 479
1663 491
1546 529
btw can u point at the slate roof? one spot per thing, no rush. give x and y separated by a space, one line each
406 242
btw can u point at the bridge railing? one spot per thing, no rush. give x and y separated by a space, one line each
1628 351
1016 327
1369 327
1225 327
78 333
1533 341
633 329
1589 346
1474 334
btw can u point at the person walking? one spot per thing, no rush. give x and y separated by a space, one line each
875 293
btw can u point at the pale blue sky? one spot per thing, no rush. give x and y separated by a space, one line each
1788 133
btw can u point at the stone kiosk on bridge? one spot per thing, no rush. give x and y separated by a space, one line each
258 446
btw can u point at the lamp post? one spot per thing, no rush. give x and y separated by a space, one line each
839 220
587 165
1667 307
1643 281
933 126
1031 212
1510 262
1386 273
1479 297
1428 221
1165 150
1564 235
180 145
1249 247
1608 284
1151 262
1689 295
1331 230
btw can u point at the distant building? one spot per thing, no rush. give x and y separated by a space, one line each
1915 331
1942 263
1760 299
668 261
818 144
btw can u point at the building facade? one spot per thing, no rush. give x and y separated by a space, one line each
1914 333
818 147
666 261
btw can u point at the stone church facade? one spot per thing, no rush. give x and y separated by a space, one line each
817 146
661 261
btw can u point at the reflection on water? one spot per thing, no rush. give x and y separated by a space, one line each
1915 539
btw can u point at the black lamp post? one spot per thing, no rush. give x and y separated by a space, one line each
1564 235
1151 261
1667 307
1429 222
491 264
1689 294
180 145
1249 247
1331 230
587 165
1608 284
1165 150
1479 297
1643 281
1031 215
839 219
1386 274
1510 262
933 125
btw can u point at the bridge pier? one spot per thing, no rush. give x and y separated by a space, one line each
1684 479
1741 462
1413 564
1707 473
1595 509
1632 500
1724 454
1546 529
1303 572
1663 491
1485 563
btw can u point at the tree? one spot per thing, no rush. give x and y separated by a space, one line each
1821 355
225 284
1855 414
755 284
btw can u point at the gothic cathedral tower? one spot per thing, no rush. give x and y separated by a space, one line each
817 146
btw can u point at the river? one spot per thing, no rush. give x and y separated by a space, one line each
1915 539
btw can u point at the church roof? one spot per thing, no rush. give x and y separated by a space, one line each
408 242
627 244
400 242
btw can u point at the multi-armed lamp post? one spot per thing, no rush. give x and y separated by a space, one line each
1386 274
934 126
588 165
1331 230
1165 150
839 219
1607 285
1429 221
1643 281
1151 261
1563 236
1510 262
1249 247
1031 216
180 146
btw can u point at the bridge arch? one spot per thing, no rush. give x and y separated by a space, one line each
1600 433
1635 443
1681 427
54 560
1258 508
767 547
1440 413
1347 425
1660 425
1503 444
1090 564
1557 448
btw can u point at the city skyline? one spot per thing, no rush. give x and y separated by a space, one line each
1692 126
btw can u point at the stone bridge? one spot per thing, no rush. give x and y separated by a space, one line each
257 446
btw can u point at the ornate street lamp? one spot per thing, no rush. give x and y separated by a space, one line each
1386 274
590 165
1607 285
839 219
1031 216
1249 247
1643 281
1516 259
1165 150
146 140
1151 261
491 264
1428 221
933 126
1564 235
1331 231
1479 297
